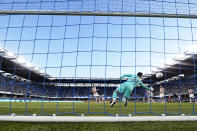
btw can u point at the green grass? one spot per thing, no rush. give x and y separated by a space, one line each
123 126
82 108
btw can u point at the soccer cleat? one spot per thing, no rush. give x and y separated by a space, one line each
112 103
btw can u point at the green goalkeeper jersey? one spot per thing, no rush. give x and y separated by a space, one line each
134 80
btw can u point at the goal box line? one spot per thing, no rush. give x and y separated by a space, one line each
95 118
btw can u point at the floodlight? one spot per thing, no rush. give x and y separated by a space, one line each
42 72
182 56
36 68
1 49
181 75
170 62
20 60
162 66
193 49
155 69
10 54
29 65
149 73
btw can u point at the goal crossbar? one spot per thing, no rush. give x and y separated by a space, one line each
97 13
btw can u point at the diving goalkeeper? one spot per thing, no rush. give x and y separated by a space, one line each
127 87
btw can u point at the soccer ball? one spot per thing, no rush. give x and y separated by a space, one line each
159 75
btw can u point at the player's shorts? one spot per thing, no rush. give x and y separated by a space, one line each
151 95
96 95
103 98
126 88
162 95
191 95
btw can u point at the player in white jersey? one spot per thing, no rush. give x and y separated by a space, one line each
162 91
179 98
191 95
95 93
150 96
103 98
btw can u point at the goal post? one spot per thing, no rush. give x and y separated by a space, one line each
95 118
67 60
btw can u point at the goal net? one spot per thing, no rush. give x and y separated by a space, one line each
67 57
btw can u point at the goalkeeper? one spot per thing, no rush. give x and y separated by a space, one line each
127 87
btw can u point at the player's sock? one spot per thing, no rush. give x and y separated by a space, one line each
115 94
125 101
114 98
113 102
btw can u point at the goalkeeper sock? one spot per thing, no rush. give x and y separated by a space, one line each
115 95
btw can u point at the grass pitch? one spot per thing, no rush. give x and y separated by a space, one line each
118 126
93 108
97 109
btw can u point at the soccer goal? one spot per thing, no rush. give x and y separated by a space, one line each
98 60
